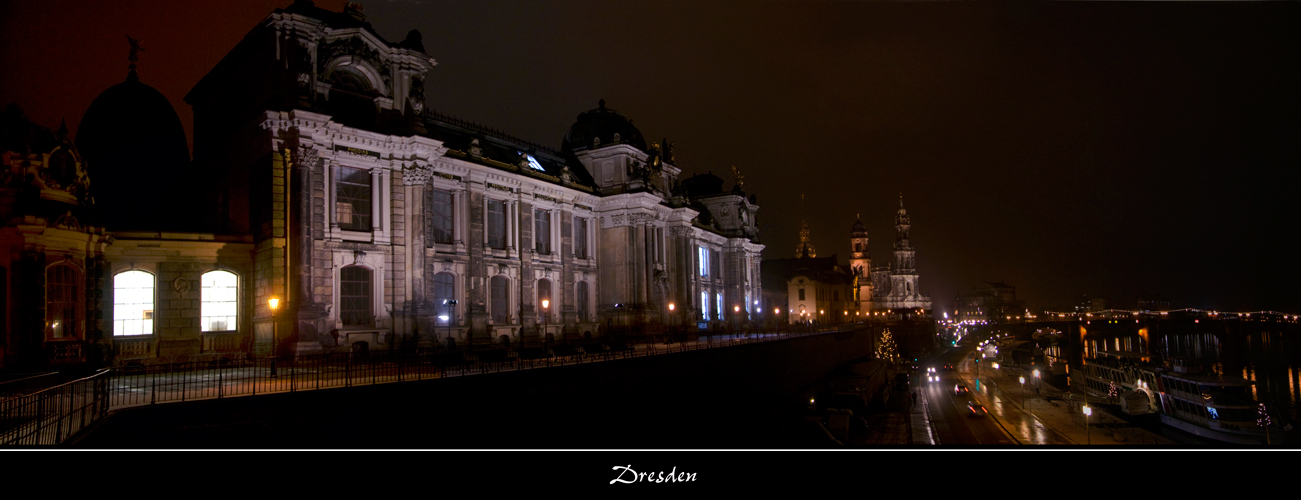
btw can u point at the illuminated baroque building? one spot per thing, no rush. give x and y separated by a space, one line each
330 185
895 286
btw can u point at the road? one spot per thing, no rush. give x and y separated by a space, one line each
1006 424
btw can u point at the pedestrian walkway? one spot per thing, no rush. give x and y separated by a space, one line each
1065 418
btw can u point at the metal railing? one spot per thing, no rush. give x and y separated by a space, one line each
143 384
50 416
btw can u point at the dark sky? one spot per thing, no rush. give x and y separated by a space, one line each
1107 149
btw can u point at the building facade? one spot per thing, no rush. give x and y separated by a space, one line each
330 186
895 286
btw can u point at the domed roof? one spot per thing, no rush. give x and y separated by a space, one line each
858 227
601 124
134 144
132 117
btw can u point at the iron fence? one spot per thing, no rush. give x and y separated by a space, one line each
50 416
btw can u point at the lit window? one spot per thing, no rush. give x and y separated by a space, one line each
220 301
704 263
719 311
352 199
355 296
63 301
133 303
704 305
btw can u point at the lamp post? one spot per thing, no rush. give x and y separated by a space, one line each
546 304
274 303
736 318
1023 390
1087 411
451 311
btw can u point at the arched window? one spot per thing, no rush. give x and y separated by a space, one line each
63 302
133 303
355 296
500 299
544 293
351 100
219 310
582 301
444 292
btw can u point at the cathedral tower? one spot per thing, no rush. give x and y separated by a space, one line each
860 261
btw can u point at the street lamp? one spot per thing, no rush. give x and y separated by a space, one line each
274 303
1087 411
1023 390
451 310
545 304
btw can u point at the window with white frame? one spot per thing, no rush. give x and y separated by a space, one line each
582 301
542 232
500 299
719 299
133 303
220 306
580 238
704 305
440 216
704 263
355 296
63 301
497 224
352 199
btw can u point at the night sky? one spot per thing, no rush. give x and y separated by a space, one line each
1085 148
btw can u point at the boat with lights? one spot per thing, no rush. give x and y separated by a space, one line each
1203 404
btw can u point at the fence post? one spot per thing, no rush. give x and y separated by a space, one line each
153 387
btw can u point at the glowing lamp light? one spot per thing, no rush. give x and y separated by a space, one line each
546 303
736 308
1088 411
274 303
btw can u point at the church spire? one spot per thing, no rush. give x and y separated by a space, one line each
805 249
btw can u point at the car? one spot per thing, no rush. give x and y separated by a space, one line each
977 409
960 389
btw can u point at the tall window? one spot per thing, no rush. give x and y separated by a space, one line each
352 199
714 264
704 263
544 293
440 216
496 224
704 305
133 303
580 238
542 231
220 301
582 300
719 299
355 296
444 291
63 301
500 300
801 294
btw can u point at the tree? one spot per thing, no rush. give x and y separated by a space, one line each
886 349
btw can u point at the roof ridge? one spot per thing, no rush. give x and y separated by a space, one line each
489 131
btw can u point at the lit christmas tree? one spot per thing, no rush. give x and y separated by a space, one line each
886 349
